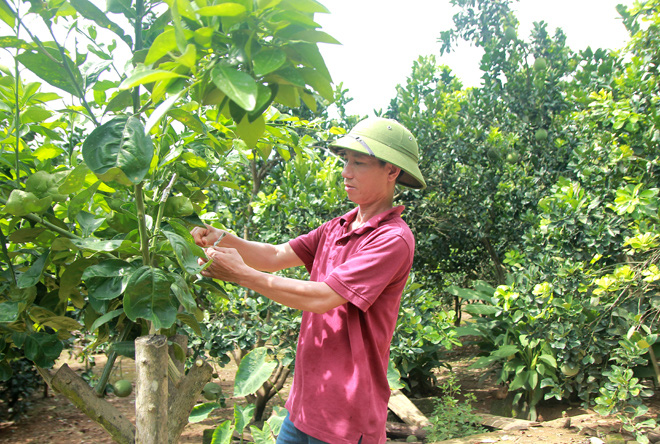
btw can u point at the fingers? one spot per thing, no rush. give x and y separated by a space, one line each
201 235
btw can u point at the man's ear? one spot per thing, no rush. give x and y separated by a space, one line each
394 172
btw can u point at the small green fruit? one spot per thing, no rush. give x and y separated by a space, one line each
123 388
540 64
541 135
512 157
212 391
570 370
510 33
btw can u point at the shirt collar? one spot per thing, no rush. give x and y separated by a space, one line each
374 221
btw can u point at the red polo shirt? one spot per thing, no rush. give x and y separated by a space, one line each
340 390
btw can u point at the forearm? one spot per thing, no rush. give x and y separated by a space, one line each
316 297
261 256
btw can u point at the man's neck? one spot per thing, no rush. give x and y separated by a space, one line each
365 213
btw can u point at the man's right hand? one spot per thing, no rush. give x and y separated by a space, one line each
206 237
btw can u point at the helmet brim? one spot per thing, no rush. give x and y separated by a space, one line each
411 176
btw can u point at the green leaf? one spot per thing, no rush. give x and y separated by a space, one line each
7 14
238 86
161 110
308 6
394 377
183 294
505 351
108 279
480 309
549 359
80 200
121 101
47 152
464 293
267 61
142 75
519 381
11 41
92 12
9 311
163 44
190 120
315 36
120 143
202 411
52 70
42 349
243 416
33 274
97 244
468 331
35 114
148 297
317 81
104 319
191 322
251 132
253 371
5 371
222 10
223 434
185 251
123 348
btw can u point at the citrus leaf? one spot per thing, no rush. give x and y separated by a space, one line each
148 297
267 61
122 144
186 254
42 349
104 319
51 69
238 86
250 132
33 274
91 12
143 75
108 279
7 14
222 10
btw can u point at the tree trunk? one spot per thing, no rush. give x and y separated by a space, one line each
67 382
499 268
182 341
183 401
151 361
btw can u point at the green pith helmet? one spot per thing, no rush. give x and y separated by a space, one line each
387 140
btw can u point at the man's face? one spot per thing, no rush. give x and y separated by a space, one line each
366 179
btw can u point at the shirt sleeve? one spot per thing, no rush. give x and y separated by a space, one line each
306 246
384 260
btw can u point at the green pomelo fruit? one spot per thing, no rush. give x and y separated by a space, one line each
212 391
541 134
540 64
123 388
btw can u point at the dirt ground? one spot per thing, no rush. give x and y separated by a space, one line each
55 420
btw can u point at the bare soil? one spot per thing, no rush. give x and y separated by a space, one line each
53 419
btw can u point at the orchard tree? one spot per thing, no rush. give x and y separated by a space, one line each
100 195
547 197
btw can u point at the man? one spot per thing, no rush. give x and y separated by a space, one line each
359 264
